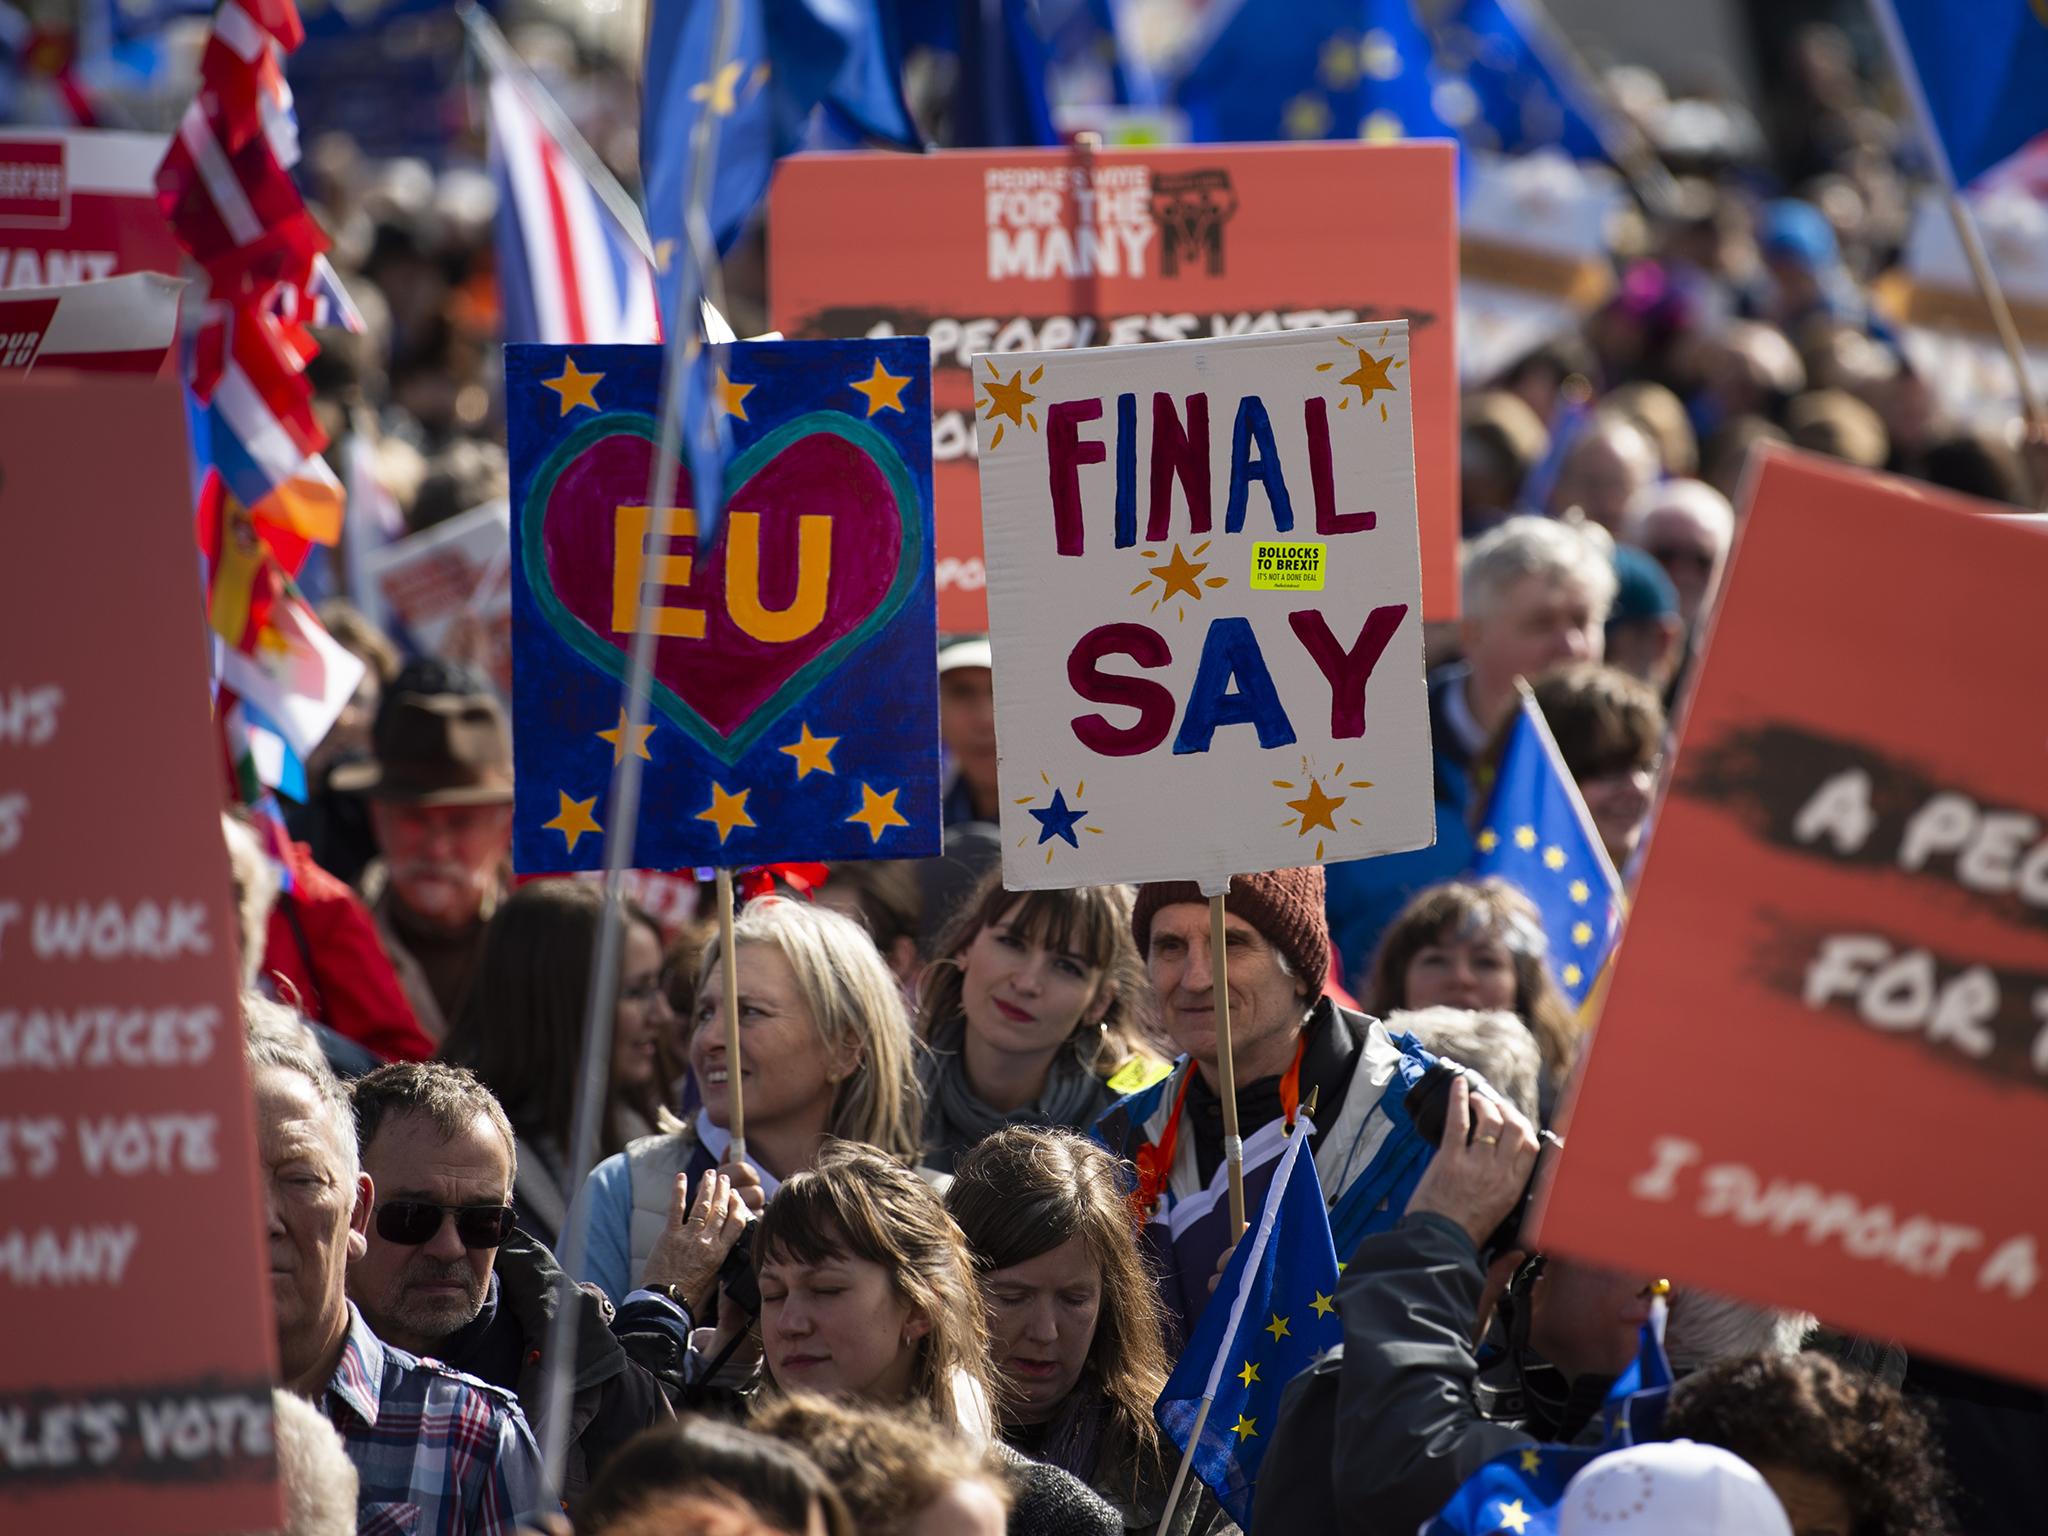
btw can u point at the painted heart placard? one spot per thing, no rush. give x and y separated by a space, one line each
793 699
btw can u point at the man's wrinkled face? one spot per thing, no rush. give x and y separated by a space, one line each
444 860
314 1213
416 1295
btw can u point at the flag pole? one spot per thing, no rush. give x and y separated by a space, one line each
1233 1145
1187 1462
728 950
1959 213
622 803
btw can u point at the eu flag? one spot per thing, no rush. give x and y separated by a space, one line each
1281 1313
1525 93
1538 837
1314 69
1979 69
1518 1492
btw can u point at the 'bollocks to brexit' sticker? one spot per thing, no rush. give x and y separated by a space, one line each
1284 567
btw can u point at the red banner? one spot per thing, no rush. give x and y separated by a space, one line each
1821 1077
136 1348
80 205
1030 250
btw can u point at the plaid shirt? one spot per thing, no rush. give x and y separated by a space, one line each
438 1453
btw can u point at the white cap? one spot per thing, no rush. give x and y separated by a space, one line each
1671 1488
965 653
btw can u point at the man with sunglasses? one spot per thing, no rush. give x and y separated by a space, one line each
447 1275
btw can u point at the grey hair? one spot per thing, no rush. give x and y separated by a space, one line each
1495 1044
450 1097
313 1468
1695 498
256 888
278 1038
1535 546
1704 1328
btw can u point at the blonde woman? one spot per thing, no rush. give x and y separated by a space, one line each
825 1051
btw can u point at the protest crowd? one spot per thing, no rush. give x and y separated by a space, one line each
915 1199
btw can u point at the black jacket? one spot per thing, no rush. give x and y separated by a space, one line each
1388 1426
612 1399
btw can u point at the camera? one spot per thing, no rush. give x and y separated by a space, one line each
1429 1102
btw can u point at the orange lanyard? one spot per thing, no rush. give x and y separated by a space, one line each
1155 1159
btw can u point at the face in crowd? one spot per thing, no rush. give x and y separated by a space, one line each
1267 1002
786 1075
643 1016
1024 996
316 1217
442 1209
444 861
1041 1316
1459 971
838 1327
1537 622
967 725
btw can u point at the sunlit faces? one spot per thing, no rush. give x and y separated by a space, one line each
838 1327
1535 623
1266 1004
1461 973
415 1296
444 860
643 1012
1041 1318
786 1075
1022 996
315 1217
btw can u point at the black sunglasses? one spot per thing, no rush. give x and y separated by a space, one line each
410 1223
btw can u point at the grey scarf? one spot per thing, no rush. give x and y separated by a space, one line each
956 1119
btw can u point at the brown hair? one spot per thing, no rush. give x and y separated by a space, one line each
1025 1191
1092 921
1466 910
888 1467
1602 719
451 1098
707 1512
694 1454
856 1202
521 1028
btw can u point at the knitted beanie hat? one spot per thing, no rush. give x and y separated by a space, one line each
1285 905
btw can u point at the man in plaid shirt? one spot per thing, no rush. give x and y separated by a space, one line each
438 1453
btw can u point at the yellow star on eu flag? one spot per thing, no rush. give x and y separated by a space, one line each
813 754
574 819
1532 1460
1525 838
720 93
1245 1427
1249 1374
1324 1305
1572 975
878 812
884 390
1553 857
1513 1517
574 386
617 737
726 811
1277 1327
1579 891
1488 840
1582 933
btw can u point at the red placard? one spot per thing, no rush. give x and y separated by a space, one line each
1821 1077
1029 250
136 1348
80 205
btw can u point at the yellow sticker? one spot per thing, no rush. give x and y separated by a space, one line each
1286 567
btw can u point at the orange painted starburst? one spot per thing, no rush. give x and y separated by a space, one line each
1314 806
1370 376
1010 400
1180 576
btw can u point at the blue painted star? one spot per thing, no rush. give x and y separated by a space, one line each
1058 820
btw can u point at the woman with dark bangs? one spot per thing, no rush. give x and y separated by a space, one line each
1029 1013
1074 1320
868 1295
1476 944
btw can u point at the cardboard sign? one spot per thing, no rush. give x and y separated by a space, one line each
80 205
795 693
1036 250
1819 1080
1163 712
136 1349
450 586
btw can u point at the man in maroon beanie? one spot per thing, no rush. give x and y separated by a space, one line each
1292 1048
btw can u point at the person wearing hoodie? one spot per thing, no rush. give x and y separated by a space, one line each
448 1276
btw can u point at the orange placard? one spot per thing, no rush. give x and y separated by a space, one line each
1820 1079
136 1349
1030 250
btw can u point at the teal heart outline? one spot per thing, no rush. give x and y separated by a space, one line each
585 641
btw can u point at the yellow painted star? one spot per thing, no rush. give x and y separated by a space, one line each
1513 1517
1249 1374
1006 399
1277 1327
1582 933
1488 840
1553 857
726 811
878 812
1370 375
1245 1428
1532 1460
1324 1305
617 737
1315 808
1525 838
721 92
574 819
1179 575
574 386
732 397
813 754
884 390
1580 891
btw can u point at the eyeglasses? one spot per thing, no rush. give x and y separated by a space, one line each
410 1223
1668 555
